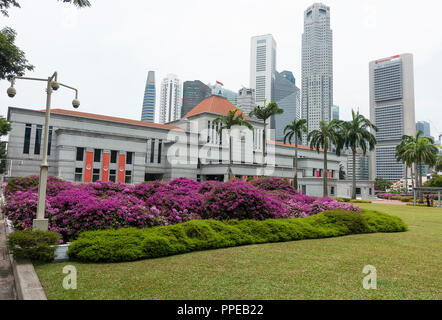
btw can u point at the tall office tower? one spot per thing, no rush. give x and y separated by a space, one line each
424 126
193 93
246 100
170 99
335 112
287 96
148 112
392 111
317 66
263 68
218 90
362 167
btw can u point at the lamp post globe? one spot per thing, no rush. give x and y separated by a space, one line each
75 103
11 92
55 85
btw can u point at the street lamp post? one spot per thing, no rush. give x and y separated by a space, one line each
40 223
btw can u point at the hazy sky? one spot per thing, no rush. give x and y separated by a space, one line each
106 50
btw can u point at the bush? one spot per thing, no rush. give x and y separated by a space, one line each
132 244
33 245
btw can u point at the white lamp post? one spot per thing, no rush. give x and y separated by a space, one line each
40 223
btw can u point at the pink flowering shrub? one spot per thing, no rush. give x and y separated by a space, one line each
76 207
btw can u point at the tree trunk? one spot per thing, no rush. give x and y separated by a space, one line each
406 178
295 180
325 189
263 148
421 195
353 192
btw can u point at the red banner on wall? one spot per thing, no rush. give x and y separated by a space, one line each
105 171
330 174
121 167
88 167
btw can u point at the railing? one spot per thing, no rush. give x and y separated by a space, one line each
432 189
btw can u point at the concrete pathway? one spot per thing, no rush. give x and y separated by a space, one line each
7 285
384 201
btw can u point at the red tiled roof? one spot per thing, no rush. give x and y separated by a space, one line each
113 119
214 104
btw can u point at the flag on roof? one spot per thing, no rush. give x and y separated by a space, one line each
219 83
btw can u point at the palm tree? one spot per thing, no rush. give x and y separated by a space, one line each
356 132
409 162
227 122
438 164
264 113
295 129
321 139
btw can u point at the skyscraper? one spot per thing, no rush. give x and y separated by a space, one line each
335 112
218 90
148 112
170 99
263 67
193 93
424 126
392 111
317 66
287 96
246 100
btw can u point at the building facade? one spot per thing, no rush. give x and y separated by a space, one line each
219 90
148 111
170 99
193 93
424 126
335 112
392 111
86 147
263 67
361 167
317 67
246 100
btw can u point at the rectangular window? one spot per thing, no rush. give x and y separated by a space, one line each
27 141
160 144
128 177
97 155
208 131
358 191
80 154
78 174
114 155
50 141
332 190
37 145
370 192
112 175
152 151
95 175
129 156
314 172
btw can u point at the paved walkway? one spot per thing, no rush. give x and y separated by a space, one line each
7 286
383 201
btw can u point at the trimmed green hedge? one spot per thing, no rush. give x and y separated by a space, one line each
33 245
132 244
350 200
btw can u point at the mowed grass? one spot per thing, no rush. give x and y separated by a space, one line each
408 267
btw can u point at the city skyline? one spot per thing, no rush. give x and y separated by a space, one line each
224 57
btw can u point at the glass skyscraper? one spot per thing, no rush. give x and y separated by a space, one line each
193 93
148 112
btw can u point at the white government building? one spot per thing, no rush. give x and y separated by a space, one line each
87 147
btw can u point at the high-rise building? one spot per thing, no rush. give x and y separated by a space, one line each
193 93
287 96
424 126
263 68
335 112
218 90
392 111
148 112
246 100
361 168
317 66
170 99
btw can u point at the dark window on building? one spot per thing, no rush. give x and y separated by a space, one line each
128 177
152 151
314 172
112 175
50 141
37 145
27 141
129 156
78 174
80 154
95 175
370 191
358 190
97 155
113 157
160 144
332 190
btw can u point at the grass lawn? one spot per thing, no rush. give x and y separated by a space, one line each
408 267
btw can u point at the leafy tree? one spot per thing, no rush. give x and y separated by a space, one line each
321 139
264 113
356 132
434 182
342 172
5 5
382 184
295 129
438 164
227 123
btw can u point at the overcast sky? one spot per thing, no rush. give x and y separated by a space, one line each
106 50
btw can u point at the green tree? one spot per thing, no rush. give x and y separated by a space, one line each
5 5
356 132
328 133
382 184
227 123
342 172
295 129
434 182
263 114
438 164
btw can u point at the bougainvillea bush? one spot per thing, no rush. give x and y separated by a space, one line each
76 207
